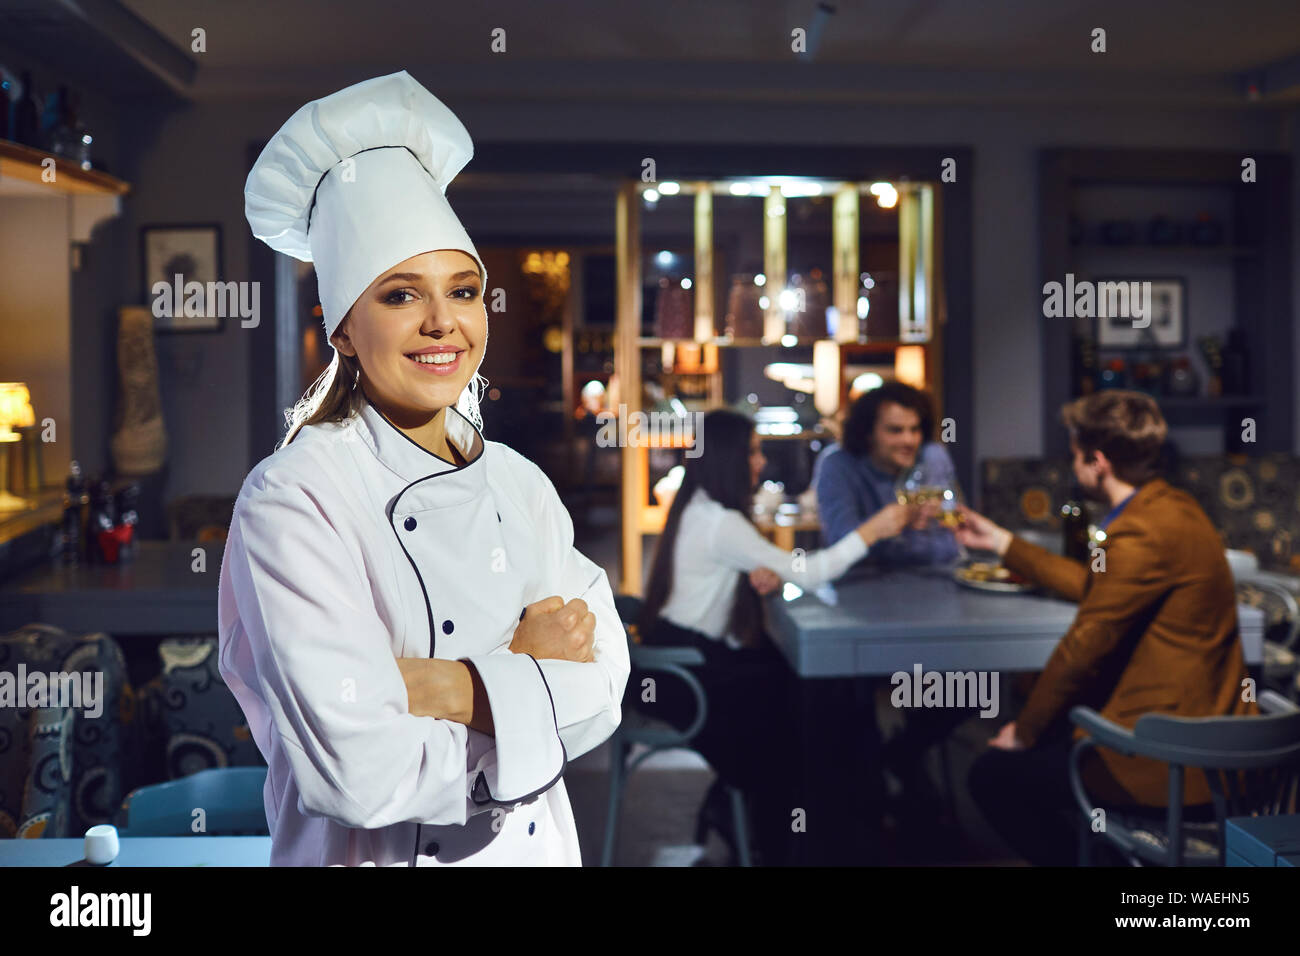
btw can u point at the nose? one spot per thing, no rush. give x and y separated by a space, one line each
439 321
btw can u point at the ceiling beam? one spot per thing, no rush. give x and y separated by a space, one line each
136 38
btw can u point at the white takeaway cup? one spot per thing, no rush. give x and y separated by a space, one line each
101 844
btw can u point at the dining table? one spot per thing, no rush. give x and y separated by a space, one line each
843 639
166 588
882 621
143 851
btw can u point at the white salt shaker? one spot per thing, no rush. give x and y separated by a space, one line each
101 844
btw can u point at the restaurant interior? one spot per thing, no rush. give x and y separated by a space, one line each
774 209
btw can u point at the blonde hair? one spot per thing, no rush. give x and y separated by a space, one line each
335 397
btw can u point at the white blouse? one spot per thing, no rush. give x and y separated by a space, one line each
715 543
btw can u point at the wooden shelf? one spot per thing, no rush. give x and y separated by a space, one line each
44 507
24 164
920 311
1256 258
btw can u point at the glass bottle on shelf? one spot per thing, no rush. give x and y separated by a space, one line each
102 520
1076 542
744 319
803 317
674 310
75 502
27 115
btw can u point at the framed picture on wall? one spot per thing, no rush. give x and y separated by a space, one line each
1168 307
172 257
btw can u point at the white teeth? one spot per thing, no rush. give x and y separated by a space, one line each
435 358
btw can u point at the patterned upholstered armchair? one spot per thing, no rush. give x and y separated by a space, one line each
64 769
197 720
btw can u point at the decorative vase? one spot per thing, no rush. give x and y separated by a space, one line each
139 442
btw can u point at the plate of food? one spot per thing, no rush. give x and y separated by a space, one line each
990 576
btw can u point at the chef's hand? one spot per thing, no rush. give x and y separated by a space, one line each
765 580
553 629
978 532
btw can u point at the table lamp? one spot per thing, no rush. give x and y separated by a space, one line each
15 412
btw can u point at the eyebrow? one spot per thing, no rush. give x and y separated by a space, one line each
418 276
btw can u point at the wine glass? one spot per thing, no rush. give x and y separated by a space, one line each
933 480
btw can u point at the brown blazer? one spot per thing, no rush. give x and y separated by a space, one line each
1155 632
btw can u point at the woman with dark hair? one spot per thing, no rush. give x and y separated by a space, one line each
710 565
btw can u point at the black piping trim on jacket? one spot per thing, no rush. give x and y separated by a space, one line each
564 757
428 606
451 408
392 508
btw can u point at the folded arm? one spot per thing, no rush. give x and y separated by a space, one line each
322 666
587 696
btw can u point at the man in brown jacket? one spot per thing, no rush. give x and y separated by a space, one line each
1156 631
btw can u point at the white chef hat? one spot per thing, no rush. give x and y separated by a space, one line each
355 183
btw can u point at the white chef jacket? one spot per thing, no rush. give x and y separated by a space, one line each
353 546
715 543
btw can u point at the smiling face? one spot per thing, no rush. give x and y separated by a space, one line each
896 439
419 333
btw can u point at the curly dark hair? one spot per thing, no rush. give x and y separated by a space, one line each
861 419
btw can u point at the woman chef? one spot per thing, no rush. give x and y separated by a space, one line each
380 562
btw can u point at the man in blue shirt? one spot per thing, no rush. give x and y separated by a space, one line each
885 431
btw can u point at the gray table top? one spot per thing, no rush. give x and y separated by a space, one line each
144 851
880 622
159 591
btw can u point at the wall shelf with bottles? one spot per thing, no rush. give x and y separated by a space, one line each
871 298
1217 247
24 166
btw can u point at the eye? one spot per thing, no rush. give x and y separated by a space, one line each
392 297
472 290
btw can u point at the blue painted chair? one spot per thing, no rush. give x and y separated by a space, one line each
230 797
635 728
1252 765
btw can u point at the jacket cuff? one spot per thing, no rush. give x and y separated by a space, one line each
529 756
1035 716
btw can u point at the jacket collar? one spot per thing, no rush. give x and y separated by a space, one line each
1148 490
411 461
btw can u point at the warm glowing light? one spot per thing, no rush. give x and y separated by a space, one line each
670 189
909 365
